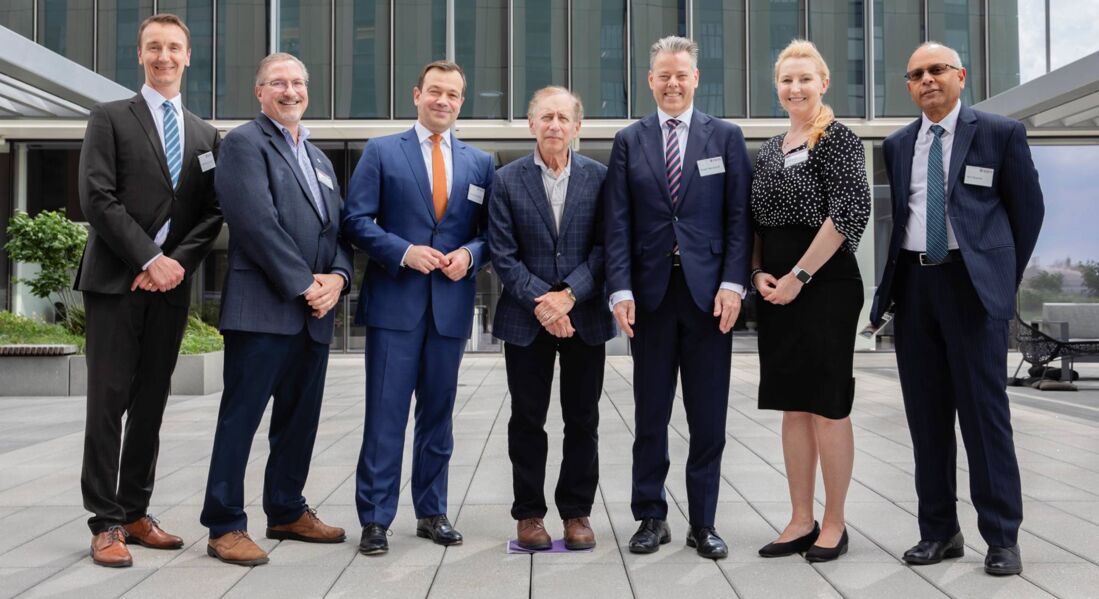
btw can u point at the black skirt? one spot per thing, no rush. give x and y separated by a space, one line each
806 347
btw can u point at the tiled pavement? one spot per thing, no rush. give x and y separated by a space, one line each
43 537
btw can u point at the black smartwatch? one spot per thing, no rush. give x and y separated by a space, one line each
801 275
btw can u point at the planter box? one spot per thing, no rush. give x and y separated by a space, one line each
197 374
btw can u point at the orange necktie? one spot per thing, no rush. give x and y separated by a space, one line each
438 176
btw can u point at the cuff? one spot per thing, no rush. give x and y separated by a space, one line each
146 266
734 287
619 296
405 255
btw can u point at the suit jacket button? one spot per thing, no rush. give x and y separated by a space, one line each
558 254
675 218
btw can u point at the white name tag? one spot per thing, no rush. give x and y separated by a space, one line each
978 175
476 194
710 166
206 161
324 179
796 158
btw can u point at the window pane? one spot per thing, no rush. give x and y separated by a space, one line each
305 30
481 48
898 29
958 24
198 81
63 26
836 27
651 20
419 38
241 44
540 31
6 161
599 57
1072 30
118 23
18 15
719 31
52 175
362 59
772 23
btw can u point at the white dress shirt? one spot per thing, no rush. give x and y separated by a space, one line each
557 185
156 103
915 230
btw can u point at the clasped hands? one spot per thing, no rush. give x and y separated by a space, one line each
552 311
780 291
164 274
425 259
324 293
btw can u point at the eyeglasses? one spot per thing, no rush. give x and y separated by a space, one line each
935 70
280 85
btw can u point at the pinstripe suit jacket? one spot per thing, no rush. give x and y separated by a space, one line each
996 227
532 257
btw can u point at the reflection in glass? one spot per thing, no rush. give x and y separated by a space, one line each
1006 36
540 32
651 20
117 53
305 31
1072 31
198 80
898 29
18 15
52 176
63 26
419 38
362 59
836 27
958 24
599 57
242 43
773 24
480 47
719 31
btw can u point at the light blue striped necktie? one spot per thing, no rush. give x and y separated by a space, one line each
936 198
172 149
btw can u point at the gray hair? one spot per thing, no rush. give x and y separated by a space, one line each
553 90
271 59
673 44
933 44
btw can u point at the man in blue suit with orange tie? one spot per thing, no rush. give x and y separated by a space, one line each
967 209
416 207
678 243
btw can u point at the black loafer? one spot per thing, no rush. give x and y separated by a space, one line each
652 533
932 552
816 553
439 530
373 540
1003 561
798 545
706 542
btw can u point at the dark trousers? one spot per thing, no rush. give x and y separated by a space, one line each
291 368
678 338
530 377
399 363
952 359
132 344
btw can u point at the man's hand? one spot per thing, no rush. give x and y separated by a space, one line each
727 307
425 258
561 328
785 290
324 293
144 282
552 306
457 264
624 316
165 273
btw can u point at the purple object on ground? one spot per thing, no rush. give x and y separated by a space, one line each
558 547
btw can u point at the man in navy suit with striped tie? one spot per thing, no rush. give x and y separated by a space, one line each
967 209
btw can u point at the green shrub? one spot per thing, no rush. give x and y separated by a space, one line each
200 337
55 244
15 329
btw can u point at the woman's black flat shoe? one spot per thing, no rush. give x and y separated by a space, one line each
798 545
817 553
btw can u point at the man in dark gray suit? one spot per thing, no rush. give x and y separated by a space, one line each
287 270
545 239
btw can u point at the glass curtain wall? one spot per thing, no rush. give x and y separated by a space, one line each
241 44
771 26
117 52
362 59
18 15
960 25
541 49
1006 38
837 28
64 26
650 20
481 48
419 38
718 27
599 57
198 80
305 30
898 29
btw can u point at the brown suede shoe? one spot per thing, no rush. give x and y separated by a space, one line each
109 549
532 535
308 528
578 534
237 548
146 531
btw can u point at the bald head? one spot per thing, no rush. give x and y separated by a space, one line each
936 79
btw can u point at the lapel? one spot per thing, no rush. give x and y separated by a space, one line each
190 141
578 179
410 143
902 169
536 193
140 109
697 135
283 149
652 145
963 137
461 172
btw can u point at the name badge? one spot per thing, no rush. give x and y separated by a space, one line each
476 194
206 161
710 166
324 179
978 175
796 158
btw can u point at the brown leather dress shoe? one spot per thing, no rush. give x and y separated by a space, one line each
237 548
308 528
146 531
532 535
109 549
578 534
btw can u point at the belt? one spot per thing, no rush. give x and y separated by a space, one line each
921 258
677 260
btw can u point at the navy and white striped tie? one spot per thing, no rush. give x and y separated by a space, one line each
672 161
936 198
172 149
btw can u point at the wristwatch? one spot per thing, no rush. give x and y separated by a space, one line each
572 296
801 275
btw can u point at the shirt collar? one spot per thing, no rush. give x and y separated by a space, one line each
684 117
949 122
155 100
423 133
546 169
303 132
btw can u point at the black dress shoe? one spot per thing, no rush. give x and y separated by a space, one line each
816 553
652 533
706 542
933 552
439 530
373 541
1004 561
798 545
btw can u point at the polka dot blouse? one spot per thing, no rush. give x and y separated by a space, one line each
831 183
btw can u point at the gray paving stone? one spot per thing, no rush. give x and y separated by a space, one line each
14 581
86 580
760 579
383 581
870 580
555 580
290 582
188 583
699 578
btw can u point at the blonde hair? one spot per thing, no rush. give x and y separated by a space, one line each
806 49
